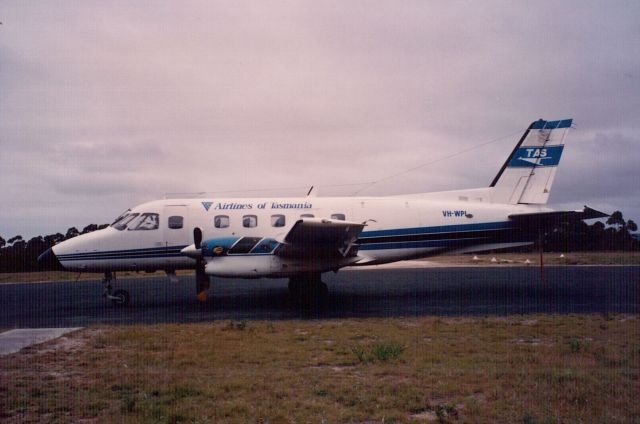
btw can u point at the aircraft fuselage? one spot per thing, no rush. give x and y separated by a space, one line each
397 228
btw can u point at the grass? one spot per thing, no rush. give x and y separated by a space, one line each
387 351
534 369
384 351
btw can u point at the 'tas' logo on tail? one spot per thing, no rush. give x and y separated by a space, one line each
536 156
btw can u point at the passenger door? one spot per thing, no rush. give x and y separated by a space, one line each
175 225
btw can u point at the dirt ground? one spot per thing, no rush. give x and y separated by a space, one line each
529 369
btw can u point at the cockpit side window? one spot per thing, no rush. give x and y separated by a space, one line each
122 222
146 221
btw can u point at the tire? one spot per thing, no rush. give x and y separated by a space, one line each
323 292
294 287
122 296
314 296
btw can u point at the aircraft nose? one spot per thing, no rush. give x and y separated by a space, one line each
49 260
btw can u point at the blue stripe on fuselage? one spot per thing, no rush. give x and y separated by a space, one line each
124 254
121 257
419 244
502 225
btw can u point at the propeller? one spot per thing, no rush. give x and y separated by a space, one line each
202 279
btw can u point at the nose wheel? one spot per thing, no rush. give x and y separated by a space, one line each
118 297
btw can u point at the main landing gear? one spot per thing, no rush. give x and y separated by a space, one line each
118 297
308 291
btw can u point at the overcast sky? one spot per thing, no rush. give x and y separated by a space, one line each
104 105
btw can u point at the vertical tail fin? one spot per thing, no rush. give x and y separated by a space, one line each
528 174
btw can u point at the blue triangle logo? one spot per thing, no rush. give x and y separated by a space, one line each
207 205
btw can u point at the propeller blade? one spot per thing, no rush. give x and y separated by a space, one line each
202 279
197 237
202 283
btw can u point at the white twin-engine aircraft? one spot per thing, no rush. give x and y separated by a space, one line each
301 238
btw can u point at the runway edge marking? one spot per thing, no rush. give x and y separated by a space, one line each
13 341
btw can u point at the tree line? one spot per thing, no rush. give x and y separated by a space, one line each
615 235
19 255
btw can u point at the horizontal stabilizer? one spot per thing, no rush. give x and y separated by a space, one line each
552 218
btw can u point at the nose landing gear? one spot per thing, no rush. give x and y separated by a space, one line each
118 297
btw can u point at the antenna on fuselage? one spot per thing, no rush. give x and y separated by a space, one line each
312 192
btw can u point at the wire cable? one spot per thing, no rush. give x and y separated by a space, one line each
452 155
367 184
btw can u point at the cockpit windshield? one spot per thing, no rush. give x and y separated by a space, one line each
121 216
123 220
146 221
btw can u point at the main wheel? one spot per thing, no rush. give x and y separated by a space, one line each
120 297
323 292
294 286
313 296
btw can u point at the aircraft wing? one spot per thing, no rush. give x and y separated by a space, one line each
553 218
321 237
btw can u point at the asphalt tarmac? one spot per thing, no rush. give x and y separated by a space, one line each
461 291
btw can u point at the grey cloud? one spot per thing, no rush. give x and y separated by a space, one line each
105 105
602 167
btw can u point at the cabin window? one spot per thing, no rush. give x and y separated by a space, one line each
306 215
338 216
146 221
176 222
277 220
122 222
249 221
244 245
221 221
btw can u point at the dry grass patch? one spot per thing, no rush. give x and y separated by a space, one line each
515 369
